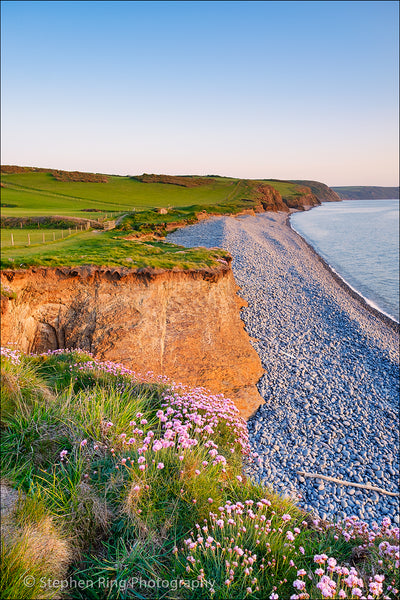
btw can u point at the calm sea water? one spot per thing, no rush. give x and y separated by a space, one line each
360 240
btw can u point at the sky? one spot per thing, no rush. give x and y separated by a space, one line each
287 90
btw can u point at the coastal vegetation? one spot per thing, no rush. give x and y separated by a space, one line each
109 249
131 486
36 202
123 485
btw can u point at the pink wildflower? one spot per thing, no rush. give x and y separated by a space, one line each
299 584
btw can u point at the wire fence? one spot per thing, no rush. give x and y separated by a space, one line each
21 237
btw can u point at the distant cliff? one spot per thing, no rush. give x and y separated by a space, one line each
361 192
320 190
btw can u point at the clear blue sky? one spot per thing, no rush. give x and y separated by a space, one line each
298 90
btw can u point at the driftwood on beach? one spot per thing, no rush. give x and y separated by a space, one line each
366 486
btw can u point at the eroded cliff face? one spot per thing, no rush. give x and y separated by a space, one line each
269 199
185 325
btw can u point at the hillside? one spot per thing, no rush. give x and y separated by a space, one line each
30 191
127 486
367 192
320 190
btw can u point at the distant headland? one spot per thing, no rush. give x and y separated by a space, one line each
363 192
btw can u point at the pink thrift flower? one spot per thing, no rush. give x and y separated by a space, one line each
160 465
299 584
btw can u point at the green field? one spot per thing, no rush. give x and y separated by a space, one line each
24 237
41 194
109 249
34 194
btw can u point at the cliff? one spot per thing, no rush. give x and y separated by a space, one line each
269 199
320 190
183 324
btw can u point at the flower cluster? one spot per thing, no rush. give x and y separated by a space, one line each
13 355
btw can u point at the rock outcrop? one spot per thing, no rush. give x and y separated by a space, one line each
183 324
269 199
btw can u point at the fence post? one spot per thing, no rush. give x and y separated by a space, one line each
29 240
69 230
62 234
54 236
12 240
43 237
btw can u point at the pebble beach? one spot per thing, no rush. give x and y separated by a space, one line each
331 379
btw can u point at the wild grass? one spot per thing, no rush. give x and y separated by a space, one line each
110 250
34 552
142 482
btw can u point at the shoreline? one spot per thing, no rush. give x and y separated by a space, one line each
331 361
388 320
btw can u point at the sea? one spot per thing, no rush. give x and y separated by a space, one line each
359 239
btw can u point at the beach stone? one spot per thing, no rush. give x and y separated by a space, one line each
315 414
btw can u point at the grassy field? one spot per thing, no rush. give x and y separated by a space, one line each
125 481
39 194
19 237
109 249
34 194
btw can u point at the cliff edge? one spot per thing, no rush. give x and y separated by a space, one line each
182 324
